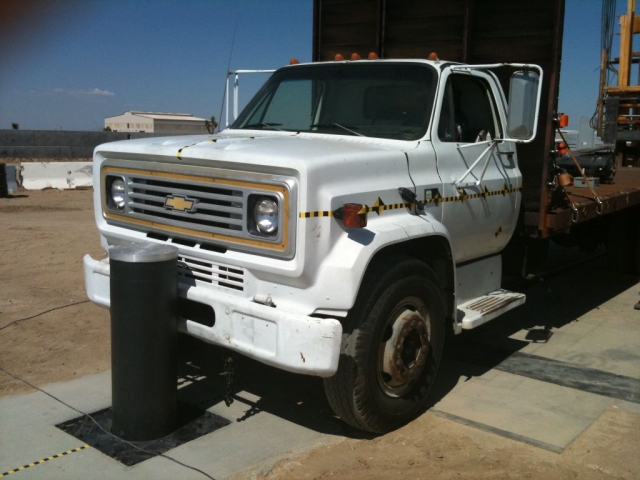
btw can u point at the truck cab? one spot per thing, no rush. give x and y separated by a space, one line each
351 214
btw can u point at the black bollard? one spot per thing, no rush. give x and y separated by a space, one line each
144 293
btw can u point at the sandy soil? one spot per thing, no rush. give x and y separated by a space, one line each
435 448
44 235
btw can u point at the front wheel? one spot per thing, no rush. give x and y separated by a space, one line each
392 347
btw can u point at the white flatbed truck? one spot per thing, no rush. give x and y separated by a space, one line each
353 212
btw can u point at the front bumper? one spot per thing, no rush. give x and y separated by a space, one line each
296 343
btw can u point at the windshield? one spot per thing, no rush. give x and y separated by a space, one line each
383 100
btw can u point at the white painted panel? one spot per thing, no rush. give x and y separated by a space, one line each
478 278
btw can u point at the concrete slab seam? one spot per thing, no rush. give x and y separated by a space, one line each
572 376
553 371
44 460
496 431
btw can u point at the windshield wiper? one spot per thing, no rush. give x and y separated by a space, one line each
270 126
333 125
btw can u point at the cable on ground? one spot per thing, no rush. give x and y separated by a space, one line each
148 452
42 313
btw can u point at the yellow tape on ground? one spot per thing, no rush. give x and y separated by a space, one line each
47 459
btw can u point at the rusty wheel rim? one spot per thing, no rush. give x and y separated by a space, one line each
404 348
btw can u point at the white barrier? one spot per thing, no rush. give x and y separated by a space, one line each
61 175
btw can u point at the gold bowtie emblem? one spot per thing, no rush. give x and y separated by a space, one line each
180 204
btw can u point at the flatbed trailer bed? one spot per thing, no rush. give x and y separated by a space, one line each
623 193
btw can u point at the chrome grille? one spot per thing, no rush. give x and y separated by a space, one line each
204 271
217 208
203 206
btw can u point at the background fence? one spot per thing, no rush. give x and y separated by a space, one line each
43 144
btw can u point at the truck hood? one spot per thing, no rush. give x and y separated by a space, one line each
259 151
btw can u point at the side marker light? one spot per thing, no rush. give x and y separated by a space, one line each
563 120
354 215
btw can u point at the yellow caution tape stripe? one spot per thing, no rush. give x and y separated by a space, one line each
379 206
324 213
44 460
213 140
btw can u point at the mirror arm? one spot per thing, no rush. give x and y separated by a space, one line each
492 143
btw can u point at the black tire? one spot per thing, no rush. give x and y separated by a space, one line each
363 393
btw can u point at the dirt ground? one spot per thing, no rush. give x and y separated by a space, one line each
436 448
44 236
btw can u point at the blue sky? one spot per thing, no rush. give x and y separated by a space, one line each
67 64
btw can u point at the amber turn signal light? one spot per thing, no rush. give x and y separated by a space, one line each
354 215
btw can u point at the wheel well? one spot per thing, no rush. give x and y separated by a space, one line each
435 251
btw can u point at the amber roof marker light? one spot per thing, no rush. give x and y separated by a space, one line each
563 120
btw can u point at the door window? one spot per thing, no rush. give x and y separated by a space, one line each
468 111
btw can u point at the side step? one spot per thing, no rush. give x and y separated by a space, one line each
480 310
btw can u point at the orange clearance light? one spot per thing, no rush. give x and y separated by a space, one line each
355 56
294 61
432 56
338 56
562 148
351 216
563 120
373 56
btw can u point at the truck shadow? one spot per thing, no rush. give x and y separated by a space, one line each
257 387
551 305
300 399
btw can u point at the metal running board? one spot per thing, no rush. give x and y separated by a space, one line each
480 310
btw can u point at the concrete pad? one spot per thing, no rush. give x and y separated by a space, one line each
545 413
584 317
28 434
594 344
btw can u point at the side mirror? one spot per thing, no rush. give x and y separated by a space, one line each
524 91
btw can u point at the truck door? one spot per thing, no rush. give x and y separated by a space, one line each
480 203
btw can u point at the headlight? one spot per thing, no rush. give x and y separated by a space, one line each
265 214
117 193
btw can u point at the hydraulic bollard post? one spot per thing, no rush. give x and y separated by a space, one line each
144 292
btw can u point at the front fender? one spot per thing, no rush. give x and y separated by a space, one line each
343 269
